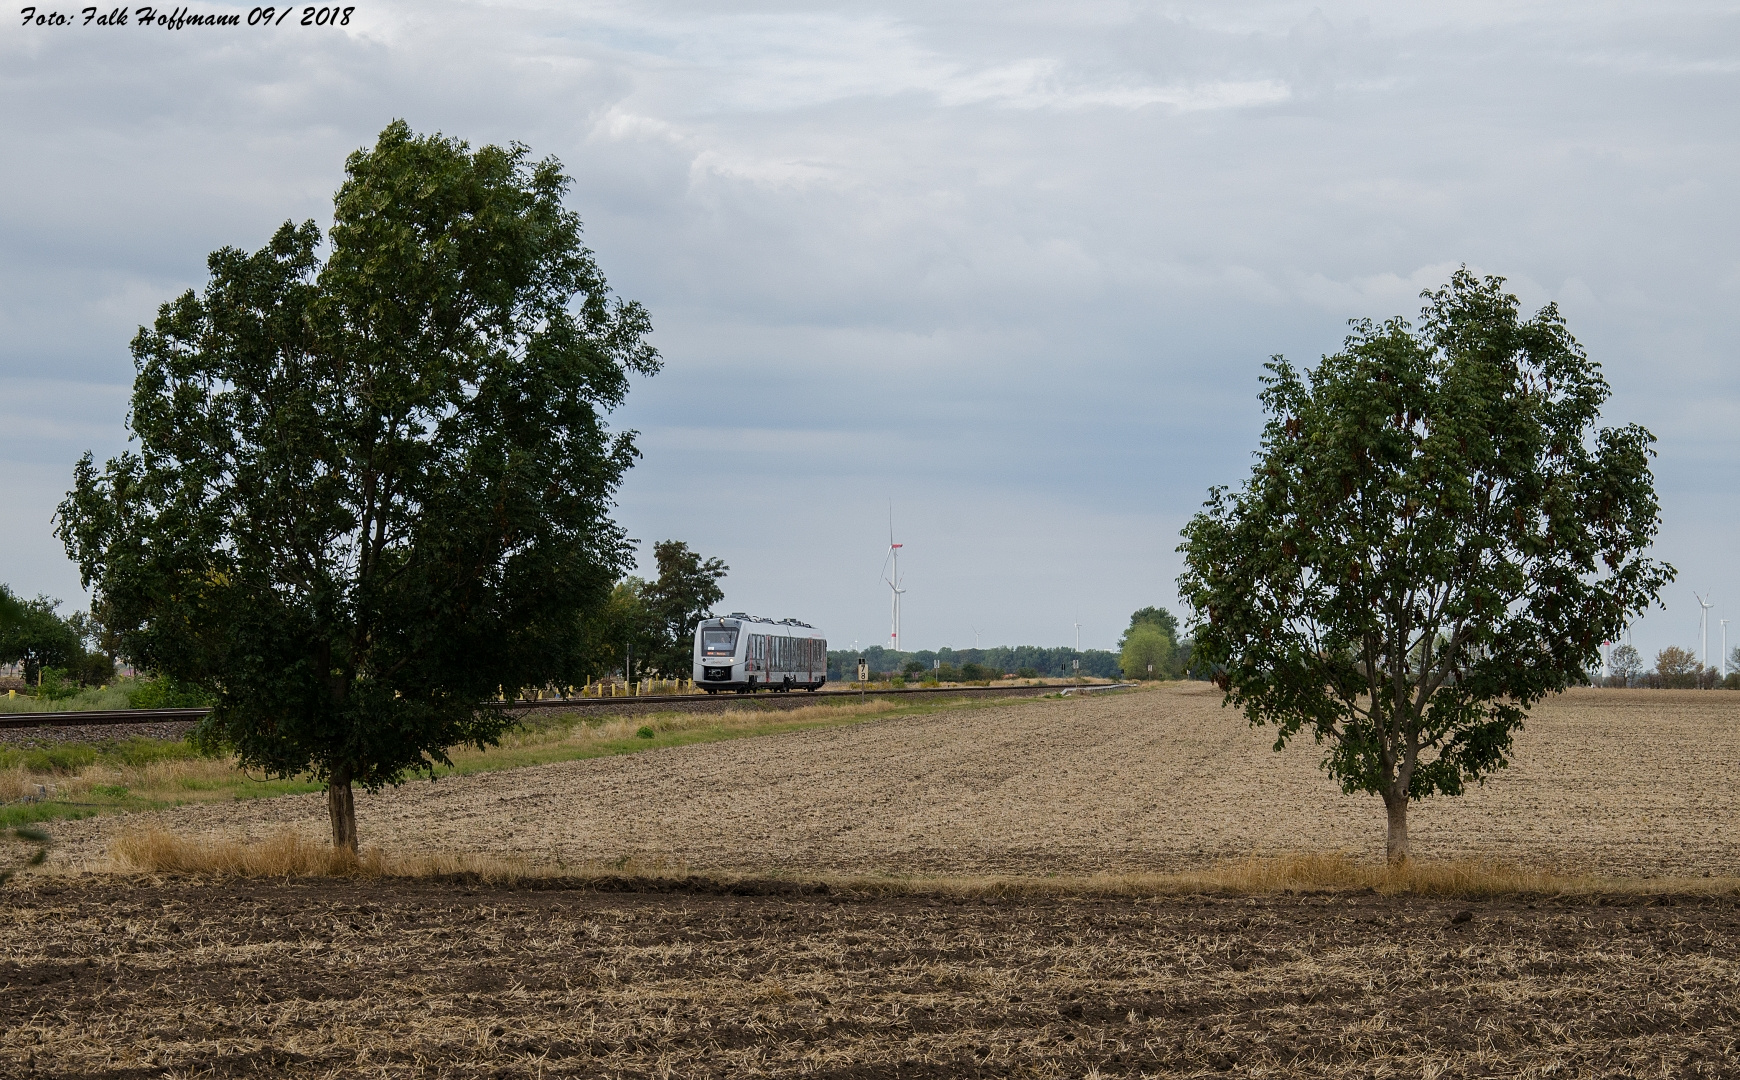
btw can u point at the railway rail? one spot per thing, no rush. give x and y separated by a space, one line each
636 703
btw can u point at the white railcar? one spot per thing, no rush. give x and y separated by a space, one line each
745 653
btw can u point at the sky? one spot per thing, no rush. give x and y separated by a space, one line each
1007 271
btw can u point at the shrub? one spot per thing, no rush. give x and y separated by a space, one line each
645 732
55 686
166 693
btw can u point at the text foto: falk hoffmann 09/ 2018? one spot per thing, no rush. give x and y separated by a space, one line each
181 18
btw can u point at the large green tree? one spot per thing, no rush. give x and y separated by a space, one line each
372 489
683 594
1146 652
1168 662
35 637
1434 536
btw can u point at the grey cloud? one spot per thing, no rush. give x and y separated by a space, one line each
1015 265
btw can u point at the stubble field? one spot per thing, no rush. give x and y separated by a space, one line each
806 966
1625 783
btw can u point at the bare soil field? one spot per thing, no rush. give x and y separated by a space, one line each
105 977
799 971
1610 782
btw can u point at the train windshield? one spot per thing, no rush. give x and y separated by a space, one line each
718 642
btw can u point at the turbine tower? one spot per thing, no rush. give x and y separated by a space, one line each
891 574
1724 650
1704 625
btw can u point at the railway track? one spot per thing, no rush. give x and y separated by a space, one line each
632 704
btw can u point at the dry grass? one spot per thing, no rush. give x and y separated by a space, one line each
17 783
81 780
289 854
571 731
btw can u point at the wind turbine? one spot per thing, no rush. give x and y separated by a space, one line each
1724 650
893 577
976 633
1704 623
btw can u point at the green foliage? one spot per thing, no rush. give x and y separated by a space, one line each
113 696
1147 652
684 594
1151 616
649 626
1168 666
645 732
371 490
1052 662
70 757
31 633
26 813
61 758
167 692
1434 536
53 685
1028 673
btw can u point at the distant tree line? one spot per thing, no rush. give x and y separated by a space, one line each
53 651
955 665
1152 638
1675 669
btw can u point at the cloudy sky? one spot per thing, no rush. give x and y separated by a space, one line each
1010 267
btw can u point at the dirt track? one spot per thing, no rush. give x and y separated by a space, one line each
109 978
1619 782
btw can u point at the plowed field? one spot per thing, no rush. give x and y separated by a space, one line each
129 977
113 979
1614 782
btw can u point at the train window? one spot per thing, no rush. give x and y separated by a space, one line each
718 642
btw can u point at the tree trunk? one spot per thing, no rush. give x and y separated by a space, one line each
1397 839
341 808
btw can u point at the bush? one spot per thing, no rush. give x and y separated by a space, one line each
55 686
93 669
165 693
1028 673
645 732
68 758
63 758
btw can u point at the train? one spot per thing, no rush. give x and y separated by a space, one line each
744 653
